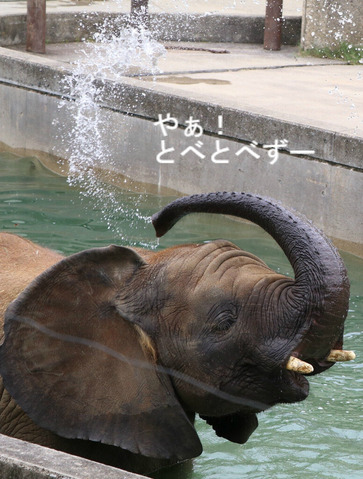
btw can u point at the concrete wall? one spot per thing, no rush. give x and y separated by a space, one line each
23 460
65 27
328 193
329 23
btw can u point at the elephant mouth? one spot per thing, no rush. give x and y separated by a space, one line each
310 366
286 382
290 383
299 365
295 387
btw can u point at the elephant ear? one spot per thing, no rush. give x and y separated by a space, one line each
77 367
236 427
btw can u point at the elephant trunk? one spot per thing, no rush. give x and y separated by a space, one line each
316 305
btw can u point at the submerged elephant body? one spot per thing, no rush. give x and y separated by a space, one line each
112 351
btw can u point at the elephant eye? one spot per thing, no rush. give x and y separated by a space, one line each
225 323
224 319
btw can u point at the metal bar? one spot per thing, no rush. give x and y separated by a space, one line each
140 13
273 25
36 26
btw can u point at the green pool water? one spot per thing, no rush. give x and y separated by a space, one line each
321 437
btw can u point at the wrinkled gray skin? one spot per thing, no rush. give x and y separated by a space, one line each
122 347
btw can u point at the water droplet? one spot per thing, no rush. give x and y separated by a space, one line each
115 50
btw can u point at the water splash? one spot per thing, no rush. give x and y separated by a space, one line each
342 98
115 50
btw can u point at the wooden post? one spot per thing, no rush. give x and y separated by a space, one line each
35 26
273 25
140 13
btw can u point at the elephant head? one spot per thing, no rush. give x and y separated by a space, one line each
123 346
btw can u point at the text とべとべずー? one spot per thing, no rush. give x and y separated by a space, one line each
222 154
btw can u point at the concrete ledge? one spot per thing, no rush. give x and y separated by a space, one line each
328 193
75 26
132 96
23 460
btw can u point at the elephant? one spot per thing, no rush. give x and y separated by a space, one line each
111 352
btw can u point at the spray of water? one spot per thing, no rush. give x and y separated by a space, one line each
115 50
341 98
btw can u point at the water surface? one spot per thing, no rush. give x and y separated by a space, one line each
321 437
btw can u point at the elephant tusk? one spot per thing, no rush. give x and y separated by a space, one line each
295 364
340 355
